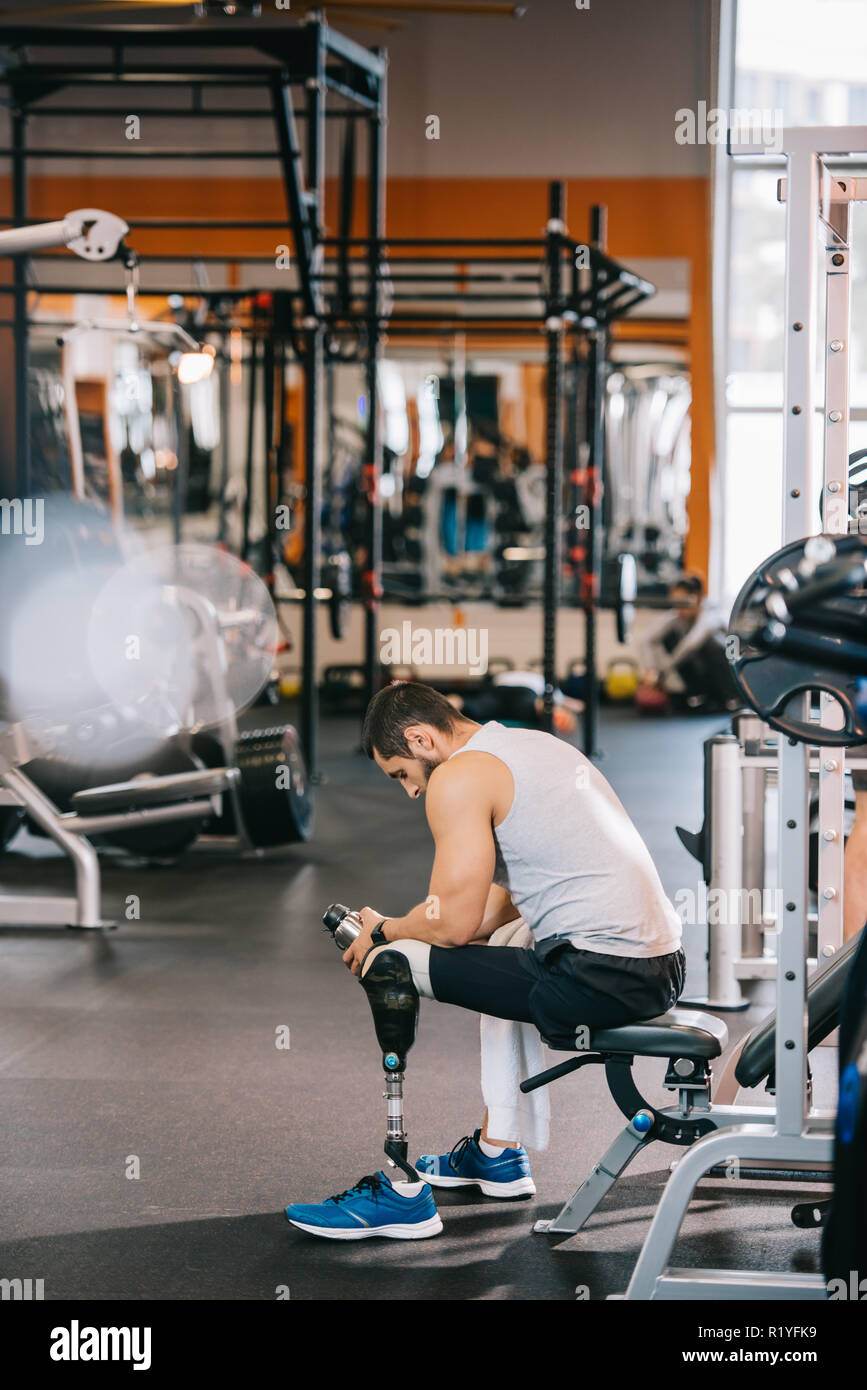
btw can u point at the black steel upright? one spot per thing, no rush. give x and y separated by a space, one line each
250 460
22 334
372 579
554 328
597 359
312 545
181 485
271 471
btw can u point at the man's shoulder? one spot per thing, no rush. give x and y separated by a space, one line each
471 775
464 766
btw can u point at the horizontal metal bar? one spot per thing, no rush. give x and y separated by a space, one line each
856 412
716 1285
35 74
280 38
141 292
333 85
757 1174
459 318
824 141
167 258
772 762
62 77
467 297
359 263
436 241
424 278
504 330
177 223
469 261
133 819
178 112
127 151
37 911
352 52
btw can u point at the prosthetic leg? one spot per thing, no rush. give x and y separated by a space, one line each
393 1000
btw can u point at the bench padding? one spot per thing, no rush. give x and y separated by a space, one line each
679 1033
152 791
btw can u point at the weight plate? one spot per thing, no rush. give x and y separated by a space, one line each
274 792
48 588
153 630
769 681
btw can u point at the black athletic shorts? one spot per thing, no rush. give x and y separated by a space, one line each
558 991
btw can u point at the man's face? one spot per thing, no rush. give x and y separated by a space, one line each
685 599
413 774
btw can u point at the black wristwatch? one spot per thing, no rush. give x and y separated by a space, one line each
378 936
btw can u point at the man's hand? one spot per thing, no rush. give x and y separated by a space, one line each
355 954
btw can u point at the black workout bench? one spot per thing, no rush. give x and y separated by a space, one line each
689 1041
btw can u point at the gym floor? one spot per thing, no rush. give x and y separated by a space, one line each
154 1048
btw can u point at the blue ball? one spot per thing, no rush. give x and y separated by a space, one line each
392 1060
642 1122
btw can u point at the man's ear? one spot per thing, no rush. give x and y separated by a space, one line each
418 739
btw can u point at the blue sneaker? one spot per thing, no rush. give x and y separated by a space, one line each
467 1166
373 1207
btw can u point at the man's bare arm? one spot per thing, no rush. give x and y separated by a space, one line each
499 909
459 814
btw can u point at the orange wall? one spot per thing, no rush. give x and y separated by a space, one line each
658 217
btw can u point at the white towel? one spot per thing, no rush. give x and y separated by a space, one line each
510 1053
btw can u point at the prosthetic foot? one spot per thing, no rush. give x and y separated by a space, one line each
393 1000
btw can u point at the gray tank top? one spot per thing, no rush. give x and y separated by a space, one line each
569 856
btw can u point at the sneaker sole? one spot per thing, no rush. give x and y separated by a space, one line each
420 1230
518 1187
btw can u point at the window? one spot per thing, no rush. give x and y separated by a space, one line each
805 60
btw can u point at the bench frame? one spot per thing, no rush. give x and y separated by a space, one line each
682 1124
70 831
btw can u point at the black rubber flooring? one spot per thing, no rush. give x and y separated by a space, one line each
151 1130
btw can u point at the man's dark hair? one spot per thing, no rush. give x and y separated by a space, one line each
394 709
692 583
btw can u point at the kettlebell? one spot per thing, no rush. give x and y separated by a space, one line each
621 679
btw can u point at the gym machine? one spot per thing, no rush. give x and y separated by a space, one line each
735 850
186 797
808 573
76 709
